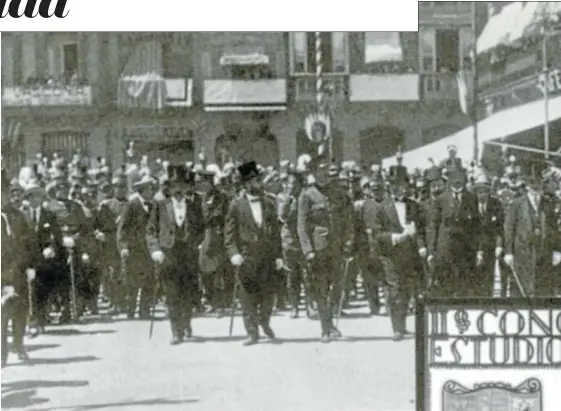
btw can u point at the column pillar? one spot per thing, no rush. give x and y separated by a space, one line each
41 56
29 67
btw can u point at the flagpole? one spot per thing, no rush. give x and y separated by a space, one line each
474 103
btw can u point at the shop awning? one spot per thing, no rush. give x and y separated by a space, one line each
500 125
530 18
498 28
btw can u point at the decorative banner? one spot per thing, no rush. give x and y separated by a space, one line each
318 127
46 96
489 354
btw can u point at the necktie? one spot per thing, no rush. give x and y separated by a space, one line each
456 198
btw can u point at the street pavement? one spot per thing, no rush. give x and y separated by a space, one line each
111 364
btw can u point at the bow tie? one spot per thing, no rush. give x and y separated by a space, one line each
253 199
399 200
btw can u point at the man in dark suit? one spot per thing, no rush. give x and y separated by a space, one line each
391 226
48 253
491 236
532 241
131 240
17 273
253 243
216 272
174 231
452 235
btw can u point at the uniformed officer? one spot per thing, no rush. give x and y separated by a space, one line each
323 230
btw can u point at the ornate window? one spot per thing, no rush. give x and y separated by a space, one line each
335 54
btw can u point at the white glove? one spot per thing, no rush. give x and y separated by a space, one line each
422 252
125 253
8 291
68 242
158 257
509 259
498 252
398 238
30 273
430 259
556 258
85 258
479 258
48 253
310 256
410 230
99 236
236 260
279 264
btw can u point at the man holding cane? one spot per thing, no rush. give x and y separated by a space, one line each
253 243
174 231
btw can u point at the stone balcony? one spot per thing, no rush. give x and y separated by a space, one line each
40 96
244 95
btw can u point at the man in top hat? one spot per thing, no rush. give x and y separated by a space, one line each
532 241
452 232
452 162
253 243
491 236
131 240
216 271
17 273
174 231
393 225
324 229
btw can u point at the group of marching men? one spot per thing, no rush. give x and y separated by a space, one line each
261 236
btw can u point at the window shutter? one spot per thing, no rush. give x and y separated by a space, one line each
206 65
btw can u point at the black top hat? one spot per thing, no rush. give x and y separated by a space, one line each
180 174
399 174
248 171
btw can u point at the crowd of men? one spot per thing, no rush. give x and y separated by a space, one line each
204 238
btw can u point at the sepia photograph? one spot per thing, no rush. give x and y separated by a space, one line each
278 220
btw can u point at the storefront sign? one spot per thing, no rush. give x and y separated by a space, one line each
384 87
35 97
240 92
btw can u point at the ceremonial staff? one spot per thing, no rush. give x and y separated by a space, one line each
234 300
154 300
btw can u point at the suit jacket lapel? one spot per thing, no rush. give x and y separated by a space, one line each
391 212
245 208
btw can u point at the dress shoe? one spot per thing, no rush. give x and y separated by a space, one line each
188 333
325 338
250 341
22 355
398 336
176 340
294 313
269 332
334 332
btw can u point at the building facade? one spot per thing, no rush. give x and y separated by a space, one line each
234 95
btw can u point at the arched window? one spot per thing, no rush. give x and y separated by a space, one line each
305 146
261 146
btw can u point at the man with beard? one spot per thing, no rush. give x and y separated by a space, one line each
532 241
17 273
131 240
491 236
216 273
392 226
173 234
452 229
253 244
324 229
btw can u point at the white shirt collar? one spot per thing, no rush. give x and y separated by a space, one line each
251 197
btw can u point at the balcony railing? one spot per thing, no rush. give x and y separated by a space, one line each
47 96
440 86
245 94
334 85
384 87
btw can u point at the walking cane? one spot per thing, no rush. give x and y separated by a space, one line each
518 282
234 300
32 330
344 283
72 284
154 301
